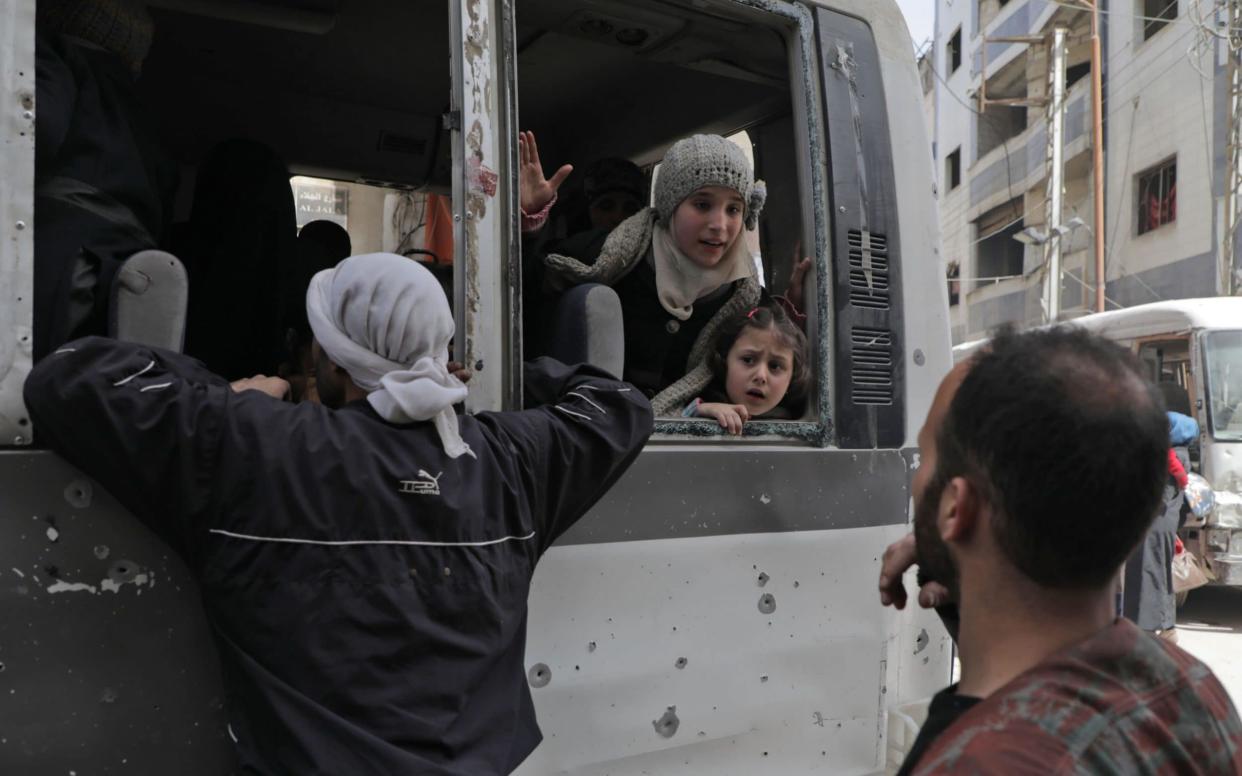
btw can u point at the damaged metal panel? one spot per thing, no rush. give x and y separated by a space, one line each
17 117
711 491
659 660
107 663
484 226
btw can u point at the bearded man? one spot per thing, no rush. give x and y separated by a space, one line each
1043 461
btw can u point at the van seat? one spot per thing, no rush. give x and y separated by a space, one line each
587 328
149 298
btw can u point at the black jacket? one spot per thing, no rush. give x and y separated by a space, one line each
368 593
103 186
657 344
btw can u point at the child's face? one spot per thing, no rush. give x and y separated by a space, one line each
706 223
759 370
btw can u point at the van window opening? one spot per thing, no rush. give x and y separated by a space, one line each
378 218
678 71
367 143
380 168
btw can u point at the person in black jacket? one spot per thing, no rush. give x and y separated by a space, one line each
364 562
103 182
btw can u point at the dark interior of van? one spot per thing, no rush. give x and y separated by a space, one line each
242 111
356 89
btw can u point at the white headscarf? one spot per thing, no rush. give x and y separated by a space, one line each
383 318
680 282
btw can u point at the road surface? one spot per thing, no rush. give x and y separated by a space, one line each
1210 628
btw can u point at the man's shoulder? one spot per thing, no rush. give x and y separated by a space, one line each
1116 701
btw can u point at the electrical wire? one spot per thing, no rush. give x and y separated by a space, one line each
1004 140
1083 283
409 216
1193 24
1128 15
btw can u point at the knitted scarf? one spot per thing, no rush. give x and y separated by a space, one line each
623 249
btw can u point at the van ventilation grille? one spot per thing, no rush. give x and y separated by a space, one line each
868 270
871 373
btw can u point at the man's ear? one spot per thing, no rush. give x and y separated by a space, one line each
959 510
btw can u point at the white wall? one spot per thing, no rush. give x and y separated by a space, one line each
1173 116
953 130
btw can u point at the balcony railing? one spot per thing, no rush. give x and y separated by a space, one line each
1025 154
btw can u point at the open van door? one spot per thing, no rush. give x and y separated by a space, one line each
487 262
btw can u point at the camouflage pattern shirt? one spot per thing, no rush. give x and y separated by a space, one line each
1121 702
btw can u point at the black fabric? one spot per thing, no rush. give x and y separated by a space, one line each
103 186
1148 597
239 244
365 658
320 245
657 344
946 706
1176 398
538 302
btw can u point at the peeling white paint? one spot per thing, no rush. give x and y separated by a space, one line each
72 587
113 586
52 534
18 572
765 498
106 585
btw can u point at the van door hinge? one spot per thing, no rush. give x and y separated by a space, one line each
452 120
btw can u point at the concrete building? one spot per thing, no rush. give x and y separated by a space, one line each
1164 120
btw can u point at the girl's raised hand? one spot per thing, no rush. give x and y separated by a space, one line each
535 191
796 292
729 416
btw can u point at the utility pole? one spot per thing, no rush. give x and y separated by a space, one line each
1056 165
1097 153
1230 270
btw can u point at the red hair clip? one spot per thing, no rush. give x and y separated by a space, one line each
751 314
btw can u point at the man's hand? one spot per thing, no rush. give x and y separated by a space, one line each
535 191
459 370
272 386
898 558
729 416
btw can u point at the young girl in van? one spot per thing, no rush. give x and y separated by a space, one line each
759 371
680 268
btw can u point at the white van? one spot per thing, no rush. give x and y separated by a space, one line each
716 613
1192 349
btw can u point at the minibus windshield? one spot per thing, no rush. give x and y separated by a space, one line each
1224 368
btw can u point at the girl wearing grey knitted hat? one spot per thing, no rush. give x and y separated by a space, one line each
681 268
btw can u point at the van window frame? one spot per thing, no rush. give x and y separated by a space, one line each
796 24
17 153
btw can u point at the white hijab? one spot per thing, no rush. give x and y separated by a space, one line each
383 318
680 282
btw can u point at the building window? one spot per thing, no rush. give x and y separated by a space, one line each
1157 196
953 169
1075 73
998 256
953 274
953 52
1156 15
